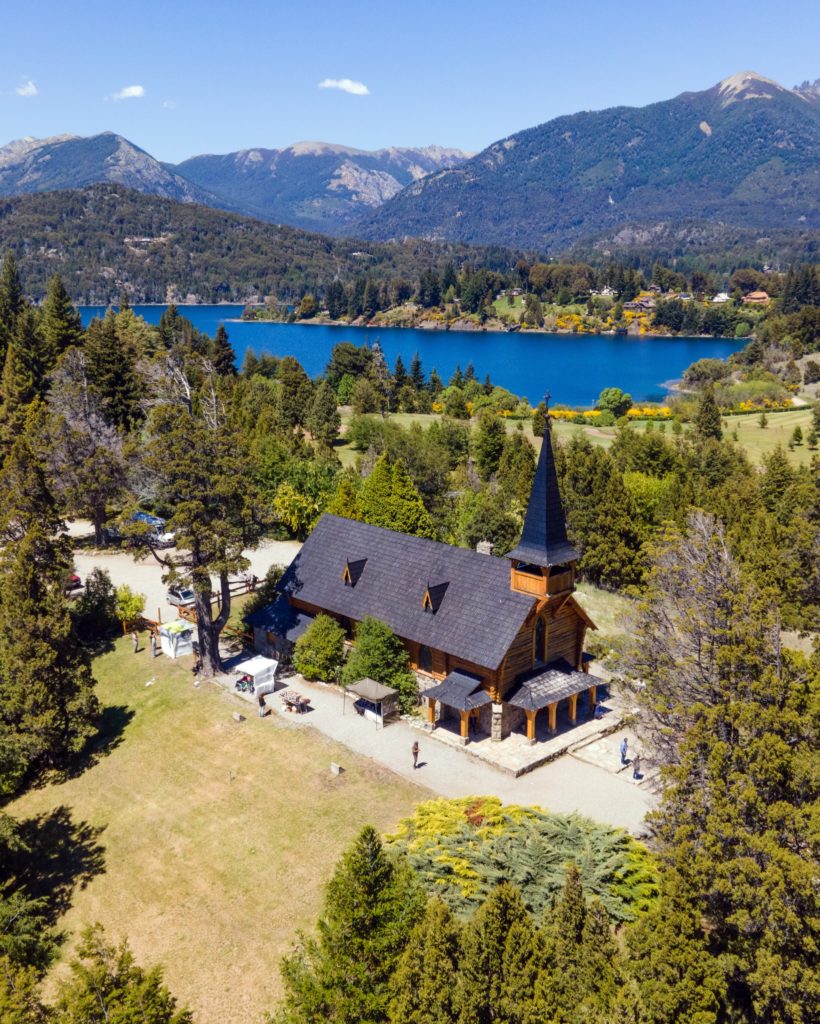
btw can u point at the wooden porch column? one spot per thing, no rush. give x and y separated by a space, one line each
593 699
553 719
531 725
465 725
573 708
431 712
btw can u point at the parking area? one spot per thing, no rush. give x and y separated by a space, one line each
145 575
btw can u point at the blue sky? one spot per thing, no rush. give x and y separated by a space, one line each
180 78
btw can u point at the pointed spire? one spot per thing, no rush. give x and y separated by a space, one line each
544 537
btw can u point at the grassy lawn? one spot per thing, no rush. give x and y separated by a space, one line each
609 611
217 836
759 442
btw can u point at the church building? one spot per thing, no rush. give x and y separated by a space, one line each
494 641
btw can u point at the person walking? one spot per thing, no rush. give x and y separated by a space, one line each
262 708
135 640
636 767
153 644
624 748
415 749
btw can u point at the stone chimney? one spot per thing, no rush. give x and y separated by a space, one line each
485 547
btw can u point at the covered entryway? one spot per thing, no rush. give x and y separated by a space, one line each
546 688
461 692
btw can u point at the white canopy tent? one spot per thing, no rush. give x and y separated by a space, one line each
176 639
262 671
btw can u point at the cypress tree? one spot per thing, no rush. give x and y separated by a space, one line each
47 702
342 975
223 356
422 986
344 502
111 373
560 981
407 511
707 418
323 419
60 324
375 495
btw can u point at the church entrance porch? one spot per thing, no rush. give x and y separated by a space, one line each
461 705
546 690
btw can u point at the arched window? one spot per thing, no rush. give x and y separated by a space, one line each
539 653
425 659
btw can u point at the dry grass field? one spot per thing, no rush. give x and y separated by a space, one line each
214 838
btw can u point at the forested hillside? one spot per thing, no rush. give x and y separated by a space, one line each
744 152
106 239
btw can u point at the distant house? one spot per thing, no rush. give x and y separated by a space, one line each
757 299
721 297
644 305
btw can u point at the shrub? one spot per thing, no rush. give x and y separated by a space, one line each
461 850
811 372
319 651
129 604
95 613
380 655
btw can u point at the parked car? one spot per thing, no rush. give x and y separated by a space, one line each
182 597
152 532
72 585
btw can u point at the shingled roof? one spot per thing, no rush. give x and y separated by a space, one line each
476 619
544 537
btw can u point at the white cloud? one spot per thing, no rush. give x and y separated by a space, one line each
130 92
345 85
168 105
27 89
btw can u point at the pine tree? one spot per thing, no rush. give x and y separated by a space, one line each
707 424
222 354
323 420
559 987
342 976
422 985
23 378
19 997
107 985
12 301
488 443
295 393
416 373
539 419
47 703
482 985
516 468
375 494
111 373
60 324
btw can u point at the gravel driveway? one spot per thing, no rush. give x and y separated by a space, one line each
145 576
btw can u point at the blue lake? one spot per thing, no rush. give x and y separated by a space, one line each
573 368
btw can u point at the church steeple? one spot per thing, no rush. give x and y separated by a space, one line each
544 537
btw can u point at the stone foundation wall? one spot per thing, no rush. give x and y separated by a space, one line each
505 718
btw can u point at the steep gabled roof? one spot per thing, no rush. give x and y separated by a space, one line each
544 537
477 620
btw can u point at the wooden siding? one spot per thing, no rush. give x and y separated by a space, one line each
527 583
562 634
519 657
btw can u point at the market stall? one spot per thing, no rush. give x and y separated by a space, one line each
176 639
261 672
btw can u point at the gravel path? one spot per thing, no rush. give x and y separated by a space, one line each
145 576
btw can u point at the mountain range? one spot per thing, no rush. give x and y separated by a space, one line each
311 185
744 154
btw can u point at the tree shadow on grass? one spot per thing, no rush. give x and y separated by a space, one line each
111 727
62 856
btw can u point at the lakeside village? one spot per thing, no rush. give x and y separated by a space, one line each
553 298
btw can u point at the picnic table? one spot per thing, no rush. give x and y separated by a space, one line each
293 701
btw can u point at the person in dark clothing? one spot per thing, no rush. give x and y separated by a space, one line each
415 749
636 767
262 708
